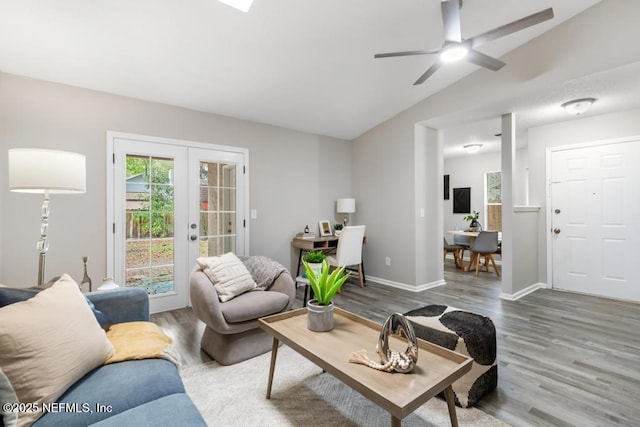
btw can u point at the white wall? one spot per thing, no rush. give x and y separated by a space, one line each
587 129
294 177
469 171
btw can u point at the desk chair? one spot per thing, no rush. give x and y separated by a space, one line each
455 250
349 252
485 245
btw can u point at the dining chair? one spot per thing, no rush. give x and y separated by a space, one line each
464 241
485 245
349 252
454 249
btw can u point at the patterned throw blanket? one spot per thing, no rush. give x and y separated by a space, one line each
140 340
263 270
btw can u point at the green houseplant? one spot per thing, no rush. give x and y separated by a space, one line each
324 286
474 225
315 259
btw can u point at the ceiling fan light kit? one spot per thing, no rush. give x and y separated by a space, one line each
455 48
578 106
454 53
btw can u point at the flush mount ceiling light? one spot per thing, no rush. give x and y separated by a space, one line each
578 106
472 148
243 5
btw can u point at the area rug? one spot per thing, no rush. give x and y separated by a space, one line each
301 396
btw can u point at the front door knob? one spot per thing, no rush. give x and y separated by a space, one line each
556 230
193 237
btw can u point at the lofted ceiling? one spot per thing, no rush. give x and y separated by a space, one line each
304 65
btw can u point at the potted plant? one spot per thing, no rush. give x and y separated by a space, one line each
324 286
337 229
315 260
474 225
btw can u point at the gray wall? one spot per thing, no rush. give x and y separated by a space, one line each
384 178
294 177
469 171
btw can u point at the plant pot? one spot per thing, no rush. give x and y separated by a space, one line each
474 226
316 267
319 317
337 233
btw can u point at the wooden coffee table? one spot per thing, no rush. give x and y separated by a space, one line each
399 394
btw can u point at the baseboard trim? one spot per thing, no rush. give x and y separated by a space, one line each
407 287
524 292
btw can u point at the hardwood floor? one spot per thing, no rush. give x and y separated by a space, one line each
564 359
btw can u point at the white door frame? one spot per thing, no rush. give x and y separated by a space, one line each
111 136
549 217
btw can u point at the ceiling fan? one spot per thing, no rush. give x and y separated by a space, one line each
455 48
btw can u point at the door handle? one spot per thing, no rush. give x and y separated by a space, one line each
193 237
556 230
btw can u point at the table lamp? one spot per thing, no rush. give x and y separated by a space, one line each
34 170
346 206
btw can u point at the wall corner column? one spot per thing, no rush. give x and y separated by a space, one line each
508 164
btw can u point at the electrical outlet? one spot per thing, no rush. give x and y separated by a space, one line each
387 261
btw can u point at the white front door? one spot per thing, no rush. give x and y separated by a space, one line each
595 228
171 202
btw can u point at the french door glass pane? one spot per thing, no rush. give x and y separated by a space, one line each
217 208
149 230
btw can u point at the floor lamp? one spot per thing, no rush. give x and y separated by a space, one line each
33 170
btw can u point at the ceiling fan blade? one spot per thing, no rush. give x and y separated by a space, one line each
451 20
428 73
406 53
512 27
485 61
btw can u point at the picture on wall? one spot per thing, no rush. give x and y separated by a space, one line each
462 200
446 187
325 228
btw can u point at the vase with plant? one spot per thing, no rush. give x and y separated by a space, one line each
474 225
324 286
314 259
337 229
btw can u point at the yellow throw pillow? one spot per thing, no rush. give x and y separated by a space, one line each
48 343
228 274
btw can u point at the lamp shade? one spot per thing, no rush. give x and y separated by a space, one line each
346 205
34 170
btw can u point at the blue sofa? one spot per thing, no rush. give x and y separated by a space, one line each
133 393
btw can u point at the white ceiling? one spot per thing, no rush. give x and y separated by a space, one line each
616 89
305 65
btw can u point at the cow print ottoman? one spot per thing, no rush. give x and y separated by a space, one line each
466 333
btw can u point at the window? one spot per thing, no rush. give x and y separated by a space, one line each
493 197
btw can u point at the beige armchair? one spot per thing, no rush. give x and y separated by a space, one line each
232 333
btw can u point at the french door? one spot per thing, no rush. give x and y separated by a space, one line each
594 228
172 202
